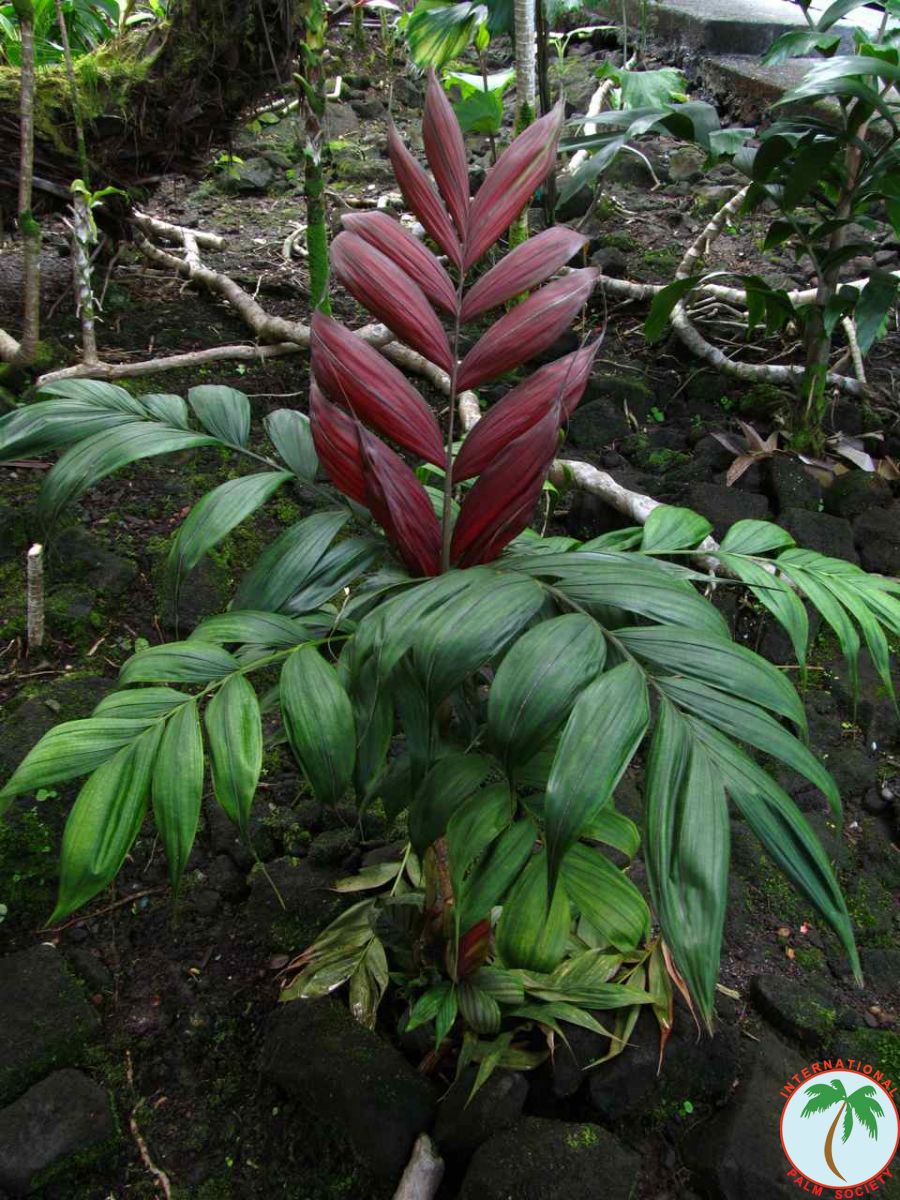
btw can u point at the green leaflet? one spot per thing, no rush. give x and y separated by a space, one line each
756 537
492 876
69 750
479 1009
474 826
37 428
831 611
292 438
672 528
598 742
99 455
451 643
538 682
783 831
368 984
605 897
318 721
614 829
103 823
772 592
140 704
178 662
178 787
643 587
286 564
717 661
531 933
215 515
750 724
271 630
449 782
169 409
234 730
338 567
224 411
686 847
439 32
96 394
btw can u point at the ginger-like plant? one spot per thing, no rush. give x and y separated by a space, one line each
448 663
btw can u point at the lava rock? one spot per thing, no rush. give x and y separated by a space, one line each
685 164
26 723
463 1124
877 534
738 1154
82 558
724 506
791 486
631 1085
309 903
90 968
340 121
611 262
64 1115
45 1018
854 771
225 878
540 1159
253 175
856 493
881 967
798 1010
13 528
350 1077
595 425
332 847
567 1067
821 532
204 591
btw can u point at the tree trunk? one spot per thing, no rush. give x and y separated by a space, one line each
29 229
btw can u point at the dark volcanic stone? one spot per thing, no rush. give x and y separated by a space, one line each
63 1116
881 967
738 1155
77 555
44 1017
855 493
351 1077
724 506
798 1010
309 903
820 532
463 1124
792 486
630 1085
27 723
551 1160
877 534
595 425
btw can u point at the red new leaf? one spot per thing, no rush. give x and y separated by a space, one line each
354 375
523 406
500 504
522 269
528 328
389 236
509 184
446 153
400 505
388 292
474 946
422 198
337 445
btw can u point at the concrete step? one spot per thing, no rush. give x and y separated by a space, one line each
727 27
745 89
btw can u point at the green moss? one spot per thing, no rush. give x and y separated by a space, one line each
581 1137
810 958
663 260
881 1048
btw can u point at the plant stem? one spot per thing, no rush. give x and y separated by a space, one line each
29 228
482 62
446 525
73 94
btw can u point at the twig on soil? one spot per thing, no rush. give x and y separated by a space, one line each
157 1172
83 918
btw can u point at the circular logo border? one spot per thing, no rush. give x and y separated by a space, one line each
818 1182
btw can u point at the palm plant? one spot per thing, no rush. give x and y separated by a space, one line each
861 1106
449 663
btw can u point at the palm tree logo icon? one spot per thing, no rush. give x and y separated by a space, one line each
859 1108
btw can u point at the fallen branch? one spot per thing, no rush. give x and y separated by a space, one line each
157 1172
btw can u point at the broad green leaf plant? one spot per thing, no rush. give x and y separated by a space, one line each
429 653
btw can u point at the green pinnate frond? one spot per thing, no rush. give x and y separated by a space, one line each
822 1096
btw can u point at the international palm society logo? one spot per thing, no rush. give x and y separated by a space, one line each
840 1128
